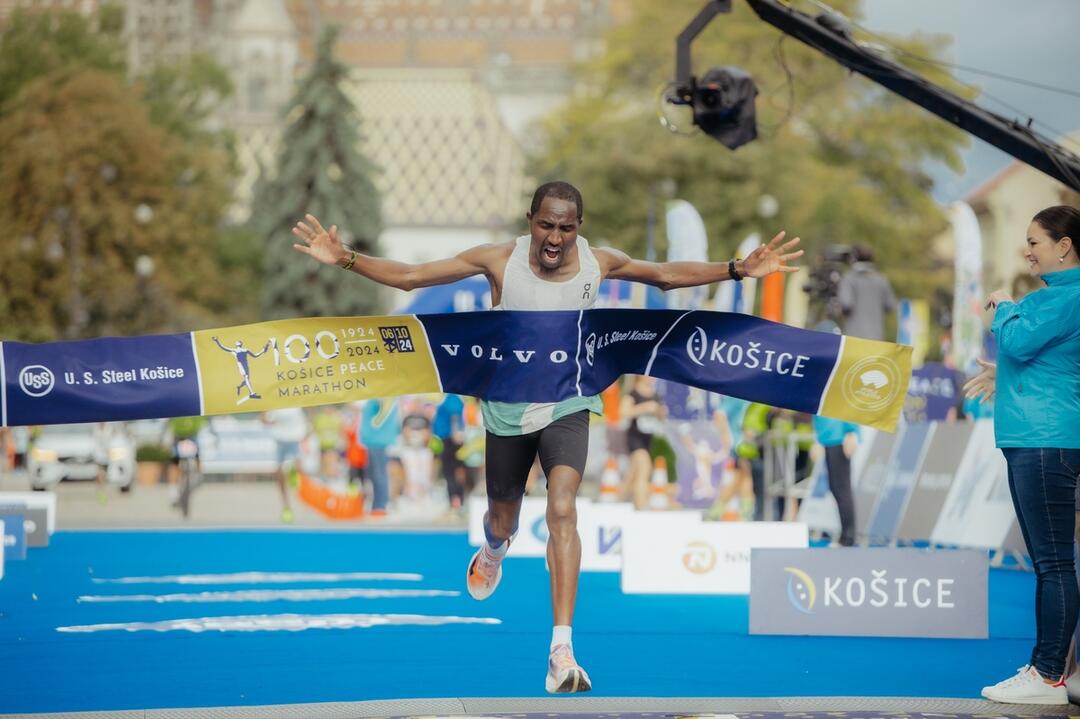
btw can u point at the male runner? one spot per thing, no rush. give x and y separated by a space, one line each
552 268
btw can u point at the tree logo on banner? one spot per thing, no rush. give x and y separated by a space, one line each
872 383
699 558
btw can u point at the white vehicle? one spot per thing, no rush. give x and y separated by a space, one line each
75 452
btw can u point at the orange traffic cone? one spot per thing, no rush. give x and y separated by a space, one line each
609 482
658 487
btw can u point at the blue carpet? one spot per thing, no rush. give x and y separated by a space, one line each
646 646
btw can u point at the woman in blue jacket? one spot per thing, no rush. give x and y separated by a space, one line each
1037 427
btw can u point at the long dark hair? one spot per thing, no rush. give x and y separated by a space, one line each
1061 221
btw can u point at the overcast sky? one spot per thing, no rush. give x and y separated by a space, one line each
1037 40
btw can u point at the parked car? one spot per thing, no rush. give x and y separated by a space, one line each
74 452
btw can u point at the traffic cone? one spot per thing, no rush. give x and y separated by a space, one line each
609 482
658 491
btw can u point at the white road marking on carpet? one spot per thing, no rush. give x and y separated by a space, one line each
259 577
270 595
291 622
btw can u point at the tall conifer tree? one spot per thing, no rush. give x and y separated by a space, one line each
320 170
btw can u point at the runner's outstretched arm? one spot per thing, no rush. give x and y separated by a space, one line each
326 247
765 259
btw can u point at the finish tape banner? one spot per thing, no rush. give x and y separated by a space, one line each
504 356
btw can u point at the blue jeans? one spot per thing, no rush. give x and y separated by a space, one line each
1043 486
380 478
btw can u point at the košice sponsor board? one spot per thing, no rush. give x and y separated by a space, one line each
884 592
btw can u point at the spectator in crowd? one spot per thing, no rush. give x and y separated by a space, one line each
865 297
1036 415
644 411
838 440
614 428
729 414
448 426
185 443
329 428
416 457
356 455
288 426
380 427
472 449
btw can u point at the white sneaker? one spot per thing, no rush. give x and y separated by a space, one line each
1026 687
484 573
564 674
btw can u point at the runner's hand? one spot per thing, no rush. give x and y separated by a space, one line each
318 243
766 259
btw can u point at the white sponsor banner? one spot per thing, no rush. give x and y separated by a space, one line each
532 534
601 526
978 511
46 500
968 294
705 558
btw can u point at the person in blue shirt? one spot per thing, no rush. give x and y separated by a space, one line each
1036 416
839 439
380 427
449 426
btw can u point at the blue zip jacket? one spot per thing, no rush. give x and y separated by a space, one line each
831 432
1037 402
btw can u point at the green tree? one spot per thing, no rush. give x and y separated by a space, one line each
319 170
89 190
83 169
38 43
841 155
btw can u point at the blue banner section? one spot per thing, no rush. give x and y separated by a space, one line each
747 357
507 356
102 379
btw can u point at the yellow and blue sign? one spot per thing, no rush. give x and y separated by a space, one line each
501 356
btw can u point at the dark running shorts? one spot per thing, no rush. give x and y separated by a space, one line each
509 457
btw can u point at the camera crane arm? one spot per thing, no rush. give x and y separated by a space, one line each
828 35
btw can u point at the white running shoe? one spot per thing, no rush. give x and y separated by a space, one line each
1026 687
484 573
564 675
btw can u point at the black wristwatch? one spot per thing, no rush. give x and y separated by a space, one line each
733 272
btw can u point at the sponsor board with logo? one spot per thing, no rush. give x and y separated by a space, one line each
867 484
899 481
678 556
504 356
34 523
877 592
45 501
978 510
935 478
532 535
13 526
600 526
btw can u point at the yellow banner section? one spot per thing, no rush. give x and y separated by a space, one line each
869 384
312 361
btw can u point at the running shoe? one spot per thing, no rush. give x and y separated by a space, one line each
564 675
484 574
